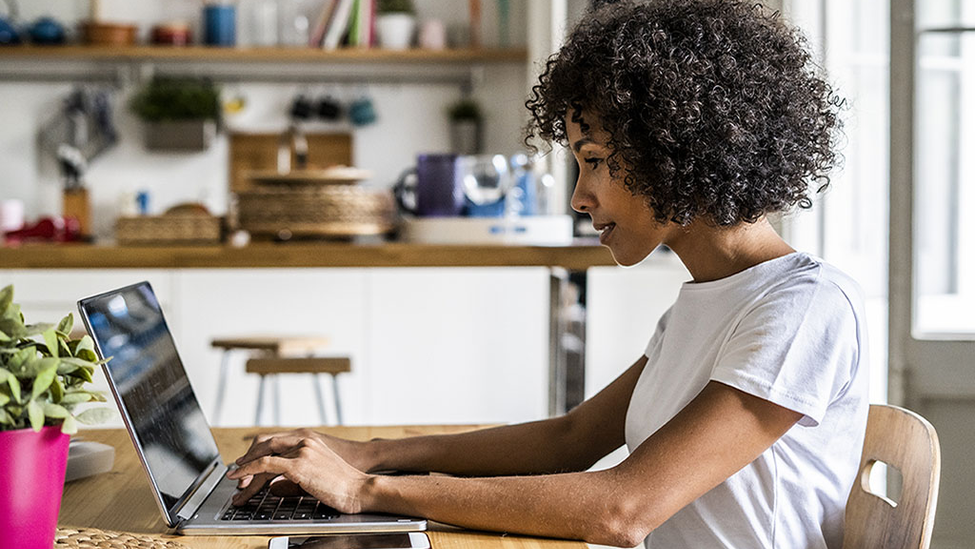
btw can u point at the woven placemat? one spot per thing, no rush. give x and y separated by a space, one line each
93 538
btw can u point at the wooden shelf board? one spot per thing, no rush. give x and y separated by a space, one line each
302 254
260 54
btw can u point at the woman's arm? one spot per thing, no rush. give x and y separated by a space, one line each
718 433
572 442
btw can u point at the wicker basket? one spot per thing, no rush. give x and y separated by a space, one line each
323 211
168 229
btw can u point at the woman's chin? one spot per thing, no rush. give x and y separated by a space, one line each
627 258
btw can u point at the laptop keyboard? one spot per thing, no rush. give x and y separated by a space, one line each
266 506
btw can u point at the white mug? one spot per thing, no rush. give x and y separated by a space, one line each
433 35
11 215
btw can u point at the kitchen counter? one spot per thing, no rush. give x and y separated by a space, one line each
578 257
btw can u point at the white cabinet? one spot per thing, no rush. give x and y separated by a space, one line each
427 345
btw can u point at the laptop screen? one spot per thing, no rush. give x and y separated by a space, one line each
145 370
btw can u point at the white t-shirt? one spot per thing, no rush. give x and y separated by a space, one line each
791 331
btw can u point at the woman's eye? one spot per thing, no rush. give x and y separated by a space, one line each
594 162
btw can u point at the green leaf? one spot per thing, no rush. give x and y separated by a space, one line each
14 388
36 415
95 416
69 426
36 329
4 399
76 398
55 410
51 339
66 324
57 390
6 297
44 380
5 418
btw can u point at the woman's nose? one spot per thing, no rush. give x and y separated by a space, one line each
582 201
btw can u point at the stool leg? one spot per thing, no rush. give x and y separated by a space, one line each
277 400
316 380
338 403
260 402
221 385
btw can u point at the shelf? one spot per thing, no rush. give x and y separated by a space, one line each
259 54
585 254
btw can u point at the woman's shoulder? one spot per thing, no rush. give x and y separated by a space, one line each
808 273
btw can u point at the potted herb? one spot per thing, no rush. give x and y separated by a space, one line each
395 23
180 113
465 126
43 373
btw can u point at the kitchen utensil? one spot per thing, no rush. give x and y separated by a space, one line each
48 229
108 34
433 35
485 180
8 29
316 211
172 33
47 30
220 24
336 175
430 188
11 215
329 108
362 112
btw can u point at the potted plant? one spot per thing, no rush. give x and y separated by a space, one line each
465 126
181 113
395 23
43 372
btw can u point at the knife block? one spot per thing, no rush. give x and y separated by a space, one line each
77 204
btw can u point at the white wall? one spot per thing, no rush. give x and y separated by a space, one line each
412 120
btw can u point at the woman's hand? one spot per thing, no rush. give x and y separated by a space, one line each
306 461
353 452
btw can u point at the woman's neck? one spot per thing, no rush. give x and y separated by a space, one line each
711 253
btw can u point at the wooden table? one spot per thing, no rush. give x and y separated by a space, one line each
121 500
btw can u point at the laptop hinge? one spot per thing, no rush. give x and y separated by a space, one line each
193 503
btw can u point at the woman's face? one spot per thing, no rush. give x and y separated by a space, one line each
624 221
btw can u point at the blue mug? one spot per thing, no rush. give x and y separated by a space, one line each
220 25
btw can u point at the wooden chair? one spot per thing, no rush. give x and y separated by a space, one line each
905 440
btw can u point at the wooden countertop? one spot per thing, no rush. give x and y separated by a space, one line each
121 500
301 254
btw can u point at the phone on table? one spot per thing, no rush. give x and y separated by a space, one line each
406 540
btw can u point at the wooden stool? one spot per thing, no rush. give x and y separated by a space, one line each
277 348
299 365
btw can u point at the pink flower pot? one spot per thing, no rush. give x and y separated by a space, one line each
31 481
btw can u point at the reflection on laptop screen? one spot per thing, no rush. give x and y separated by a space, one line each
128 326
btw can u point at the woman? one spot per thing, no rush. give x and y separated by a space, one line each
691 121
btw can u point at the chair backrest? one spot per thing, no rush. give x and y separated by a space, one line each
905 440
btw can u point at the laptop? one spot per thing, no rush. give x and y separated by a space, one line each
173 439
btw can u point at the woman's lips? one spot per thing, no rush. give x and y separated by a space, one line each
605 231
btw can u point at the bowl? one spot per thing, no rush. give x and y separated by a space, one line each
108 34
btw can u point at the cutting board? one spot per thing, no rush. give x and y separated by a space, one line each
258 152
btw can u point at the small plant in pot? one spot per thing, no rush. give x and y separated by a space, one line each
182 114
395 24
43 372
465 126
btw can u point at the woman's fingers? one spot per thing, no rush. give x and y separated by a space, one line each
253 486
275 444
284 487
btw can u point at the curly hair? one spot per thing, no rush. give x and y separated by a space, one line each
714 107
